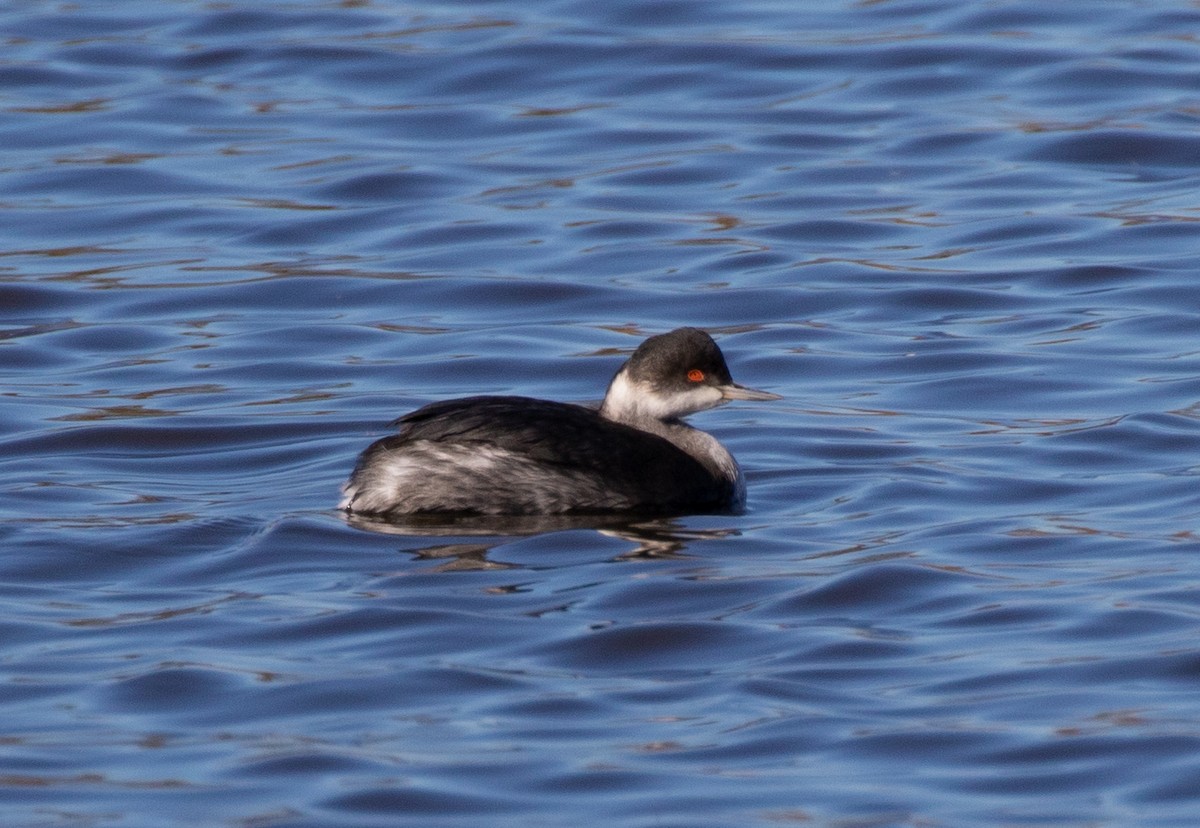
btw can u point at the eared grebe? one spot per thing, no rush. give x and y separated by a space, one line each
521 456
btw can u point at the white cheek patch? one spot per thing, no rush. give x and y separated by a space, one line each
627 399
700 398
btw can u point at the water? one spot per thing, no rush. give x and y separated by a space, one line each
237 239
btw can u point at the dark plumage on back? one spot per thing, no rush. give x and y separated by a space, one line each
637 467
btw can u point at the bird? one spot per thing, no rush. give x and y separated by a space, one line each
513 455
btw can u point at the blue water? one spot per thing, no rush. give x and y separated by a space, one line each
237 239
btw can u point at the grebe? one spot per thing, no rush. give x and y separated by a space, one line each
522 456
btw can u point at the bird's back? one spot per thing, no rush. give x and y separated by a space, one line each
517 455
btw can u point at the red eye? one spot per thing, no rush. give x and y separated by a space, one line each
695 375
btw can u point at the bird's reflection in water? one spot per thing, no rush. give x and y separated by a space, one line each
648 537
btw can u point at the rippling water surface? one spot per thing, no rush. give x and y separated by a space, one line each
236 239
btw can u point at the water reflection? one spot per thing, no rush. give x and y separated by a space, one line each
647 537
